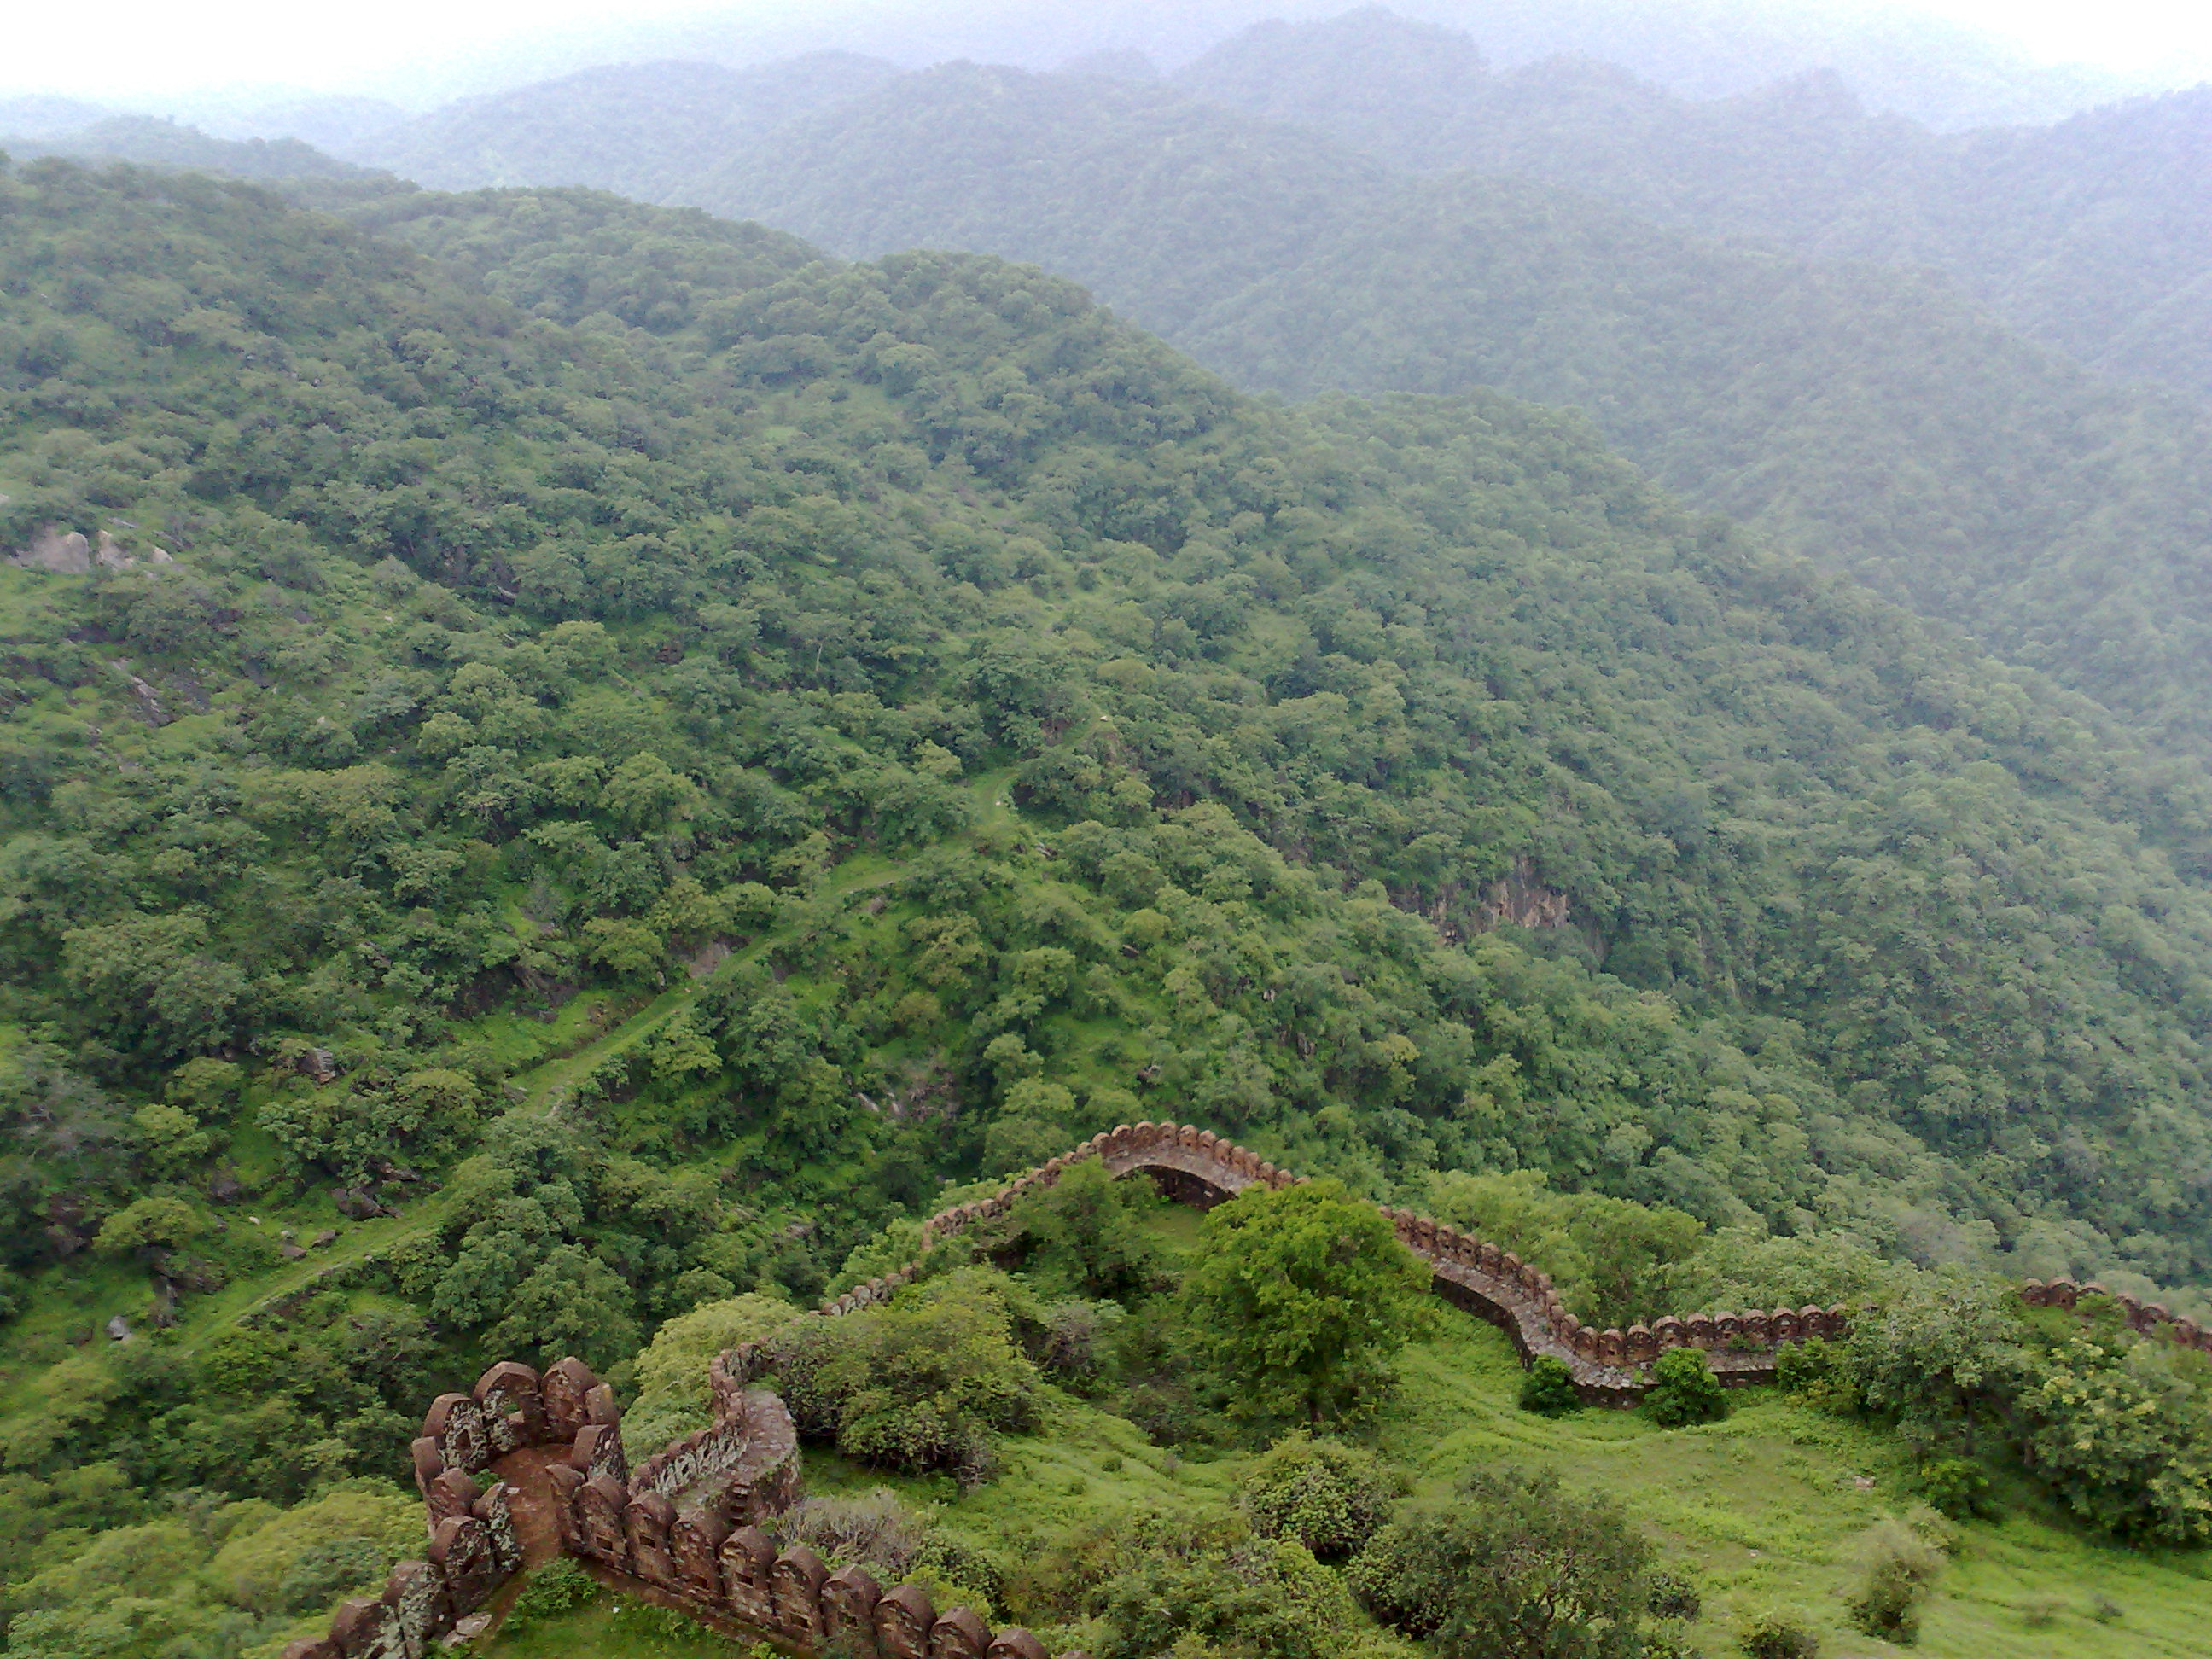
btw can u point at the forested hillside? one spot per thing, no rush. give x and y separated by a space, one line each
1872 420
2086 235
566 762
546 638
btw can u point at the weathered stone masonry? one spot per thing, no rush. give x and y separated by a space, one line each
688 1525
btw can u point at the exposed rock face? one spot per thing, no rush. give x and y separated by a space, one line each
56 551
61 552
1519 900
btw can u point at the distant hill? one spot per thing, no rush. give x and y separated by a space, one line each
2090 235
1873 419
638 128
332 123
153 143
1947 75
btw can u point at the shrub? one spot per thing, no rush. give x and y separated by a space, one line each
1901 1568
1685 1390
1299 1299
875 1529
917 1385
1253 1598
1514 1564
1548 1387
1321 1493
1672 1596
1806 1368
1956 1486
556 1587
1769 1636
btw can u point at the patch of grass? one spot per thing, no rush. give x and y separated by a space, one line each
616 1627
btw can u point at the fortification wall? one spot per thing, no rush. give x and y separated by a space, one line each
687 1525
691 1523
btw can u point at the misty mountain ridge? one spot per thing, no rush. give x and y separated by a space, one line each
149 141
2088 235
640 130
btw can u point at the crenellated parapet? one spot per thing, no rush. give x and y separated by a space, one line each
2140 1316
1610 1367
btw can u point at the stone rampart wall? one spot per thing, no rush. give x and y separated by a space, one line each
690 1523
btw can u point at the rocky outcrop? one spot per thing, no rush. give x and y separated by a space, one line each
60 552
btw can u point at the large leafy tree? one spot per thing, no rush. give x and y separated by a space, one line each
1300 1299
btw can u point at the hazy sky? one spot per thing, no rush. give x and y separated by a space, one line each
121 48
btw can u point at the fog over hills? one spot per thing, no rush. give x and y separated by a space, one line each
2089 235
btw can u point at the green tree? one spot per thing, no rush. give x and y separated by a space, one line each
920 1384
1512 1563
1300 1299
146 1225
1547 1387
1684 1390
571 1303
1085 1235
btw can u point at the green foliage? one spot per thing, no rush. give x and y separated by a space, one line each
1295 265
2115 1423
207 1576
1774 1636
1512 1563
1171 1588
1610 1260
1547 1387
595 596
1957 1487
560 1586
672 1395
1684 1390
148 1225
918 1385
1322 1494
1300 1299
1901 1573
1085 1235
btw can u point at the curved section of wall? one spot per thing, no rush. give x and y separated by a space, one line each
1610 1367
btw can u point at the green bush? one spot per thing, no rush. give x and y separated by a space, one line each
1900 1571
917 1385
1769 1636
558 1587
1957 1487
1673 1596
1085 1235
1326 1496
1512 1565
1806 1368
1251 1597
1685 1390
1548 1388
